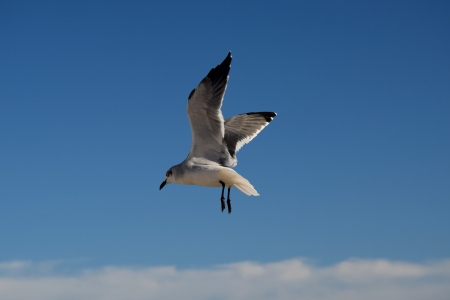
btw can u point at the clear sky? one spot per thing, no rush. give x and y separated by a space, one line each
354 169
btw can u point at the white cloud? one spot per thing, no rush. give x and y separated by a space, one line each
15 265
290 279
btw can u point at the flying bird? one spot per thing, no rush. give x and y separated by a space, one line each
216 141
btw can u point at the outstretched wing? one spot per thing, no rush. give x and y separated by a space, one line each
205 116
241 129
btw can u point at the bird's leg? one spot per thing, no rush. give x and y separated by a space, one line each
229 200
222 199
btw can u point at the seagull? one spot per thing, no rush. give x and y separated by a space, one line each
216 141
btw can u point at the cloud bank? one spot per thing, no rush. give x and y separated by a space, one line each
290 279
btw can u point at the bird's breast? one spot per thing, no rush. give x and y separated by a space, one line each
208 177
202 177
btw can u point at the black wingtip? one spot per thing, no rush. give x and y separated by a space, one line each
221 71
190 95
227 61
218 74
229 56
268 115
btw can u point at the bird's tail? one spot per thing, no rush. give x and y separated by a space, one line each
246 188
233 178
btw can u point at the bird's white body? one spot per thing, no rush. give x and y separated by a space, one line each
194 172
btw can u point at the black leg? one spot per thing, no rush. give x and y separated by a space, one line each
222 199
229 200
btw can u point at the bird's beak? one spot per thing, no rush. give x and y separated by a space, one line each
162 184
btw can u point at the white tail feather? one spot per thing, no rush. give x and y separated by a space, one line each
249 190
232 178
246 187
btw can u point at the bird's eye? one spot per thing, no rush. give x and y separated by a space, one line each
168 173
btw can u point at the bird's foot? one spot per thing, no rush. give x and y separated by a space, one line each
229 206
222 200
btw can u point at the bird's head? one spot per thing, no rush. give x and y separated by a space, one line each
169 178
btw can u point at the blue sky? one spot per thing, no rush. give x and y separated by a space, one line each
93 112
